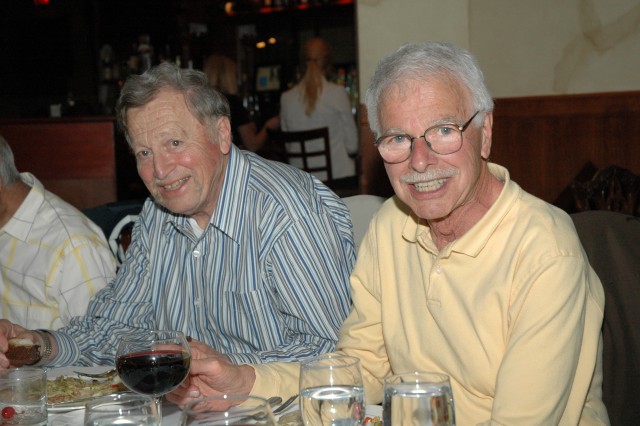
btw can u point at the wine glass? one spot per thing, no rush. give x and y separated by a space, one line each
215 410
153 363
331 391
121 409
418 398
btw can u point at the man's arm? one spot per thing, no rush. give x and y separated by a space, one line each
552 348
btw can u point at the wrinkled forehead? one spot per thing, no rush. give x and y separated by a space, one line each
439 85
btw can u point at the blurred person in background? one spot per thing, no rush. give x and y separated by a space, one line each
222 73
52 257
316 102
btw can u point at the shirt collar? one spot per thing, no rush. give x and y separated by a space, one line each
231 200
21 223
472 242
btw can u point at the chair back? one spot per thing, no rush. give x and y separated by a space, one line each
612 243
612 188
308 150
116 221
362 208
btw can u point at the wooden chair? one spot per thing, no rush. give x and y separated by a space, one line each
116 221
308 150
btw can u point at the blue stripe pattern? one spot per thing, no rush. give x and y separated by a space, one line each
268 279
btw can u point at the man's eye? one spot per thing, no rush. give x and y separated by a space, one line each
445 130
142 154
397 139
175 142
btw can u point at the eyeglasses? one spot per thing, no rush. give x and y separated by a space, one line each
443 139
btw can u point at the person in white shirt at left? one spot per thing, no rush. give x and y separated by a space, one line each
52 257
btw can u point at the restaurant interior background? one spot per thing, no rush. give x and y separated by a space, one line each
76 53
564 74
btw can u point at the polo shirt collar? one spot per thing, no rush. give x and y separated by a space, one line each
472 242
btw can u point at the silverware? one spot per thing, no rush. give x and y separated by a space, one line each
274 400
275 411
285 405
104 375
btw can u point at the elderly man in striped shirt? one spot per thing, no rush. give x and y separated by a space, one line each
247 256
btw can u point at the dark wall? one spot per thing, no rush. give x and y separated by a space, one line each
52 51
46 54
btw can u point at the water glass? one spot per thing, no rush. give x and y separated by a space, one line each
23 396
331 391
418 398
225 410
122 409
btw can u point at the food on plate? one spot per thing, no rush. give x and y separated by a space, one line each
22 352
68 389
372 421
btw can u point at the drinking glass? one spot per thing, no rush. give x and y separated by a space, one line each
153 363
122 409
418 398
331 391
23 396
208 411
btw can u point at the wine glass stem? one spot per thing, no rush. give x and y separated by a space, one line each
158 401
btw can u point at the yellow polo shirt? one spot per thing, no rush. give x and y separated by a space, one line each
511 311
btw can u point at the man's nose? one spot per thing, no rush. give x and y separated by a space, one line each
421 154
162 165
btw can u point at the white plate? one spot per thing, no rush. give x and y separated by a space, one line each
61 407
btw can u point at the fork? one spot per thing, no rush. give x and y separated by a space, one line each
104 375
285 405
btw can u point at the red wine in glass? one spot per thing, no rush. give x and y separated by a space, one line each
153 372
153 362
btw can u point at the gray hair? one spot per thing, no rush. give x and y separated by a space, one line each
8 171
421 61
204 102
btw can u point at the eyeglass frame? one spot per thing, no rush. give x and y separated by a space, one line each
460 128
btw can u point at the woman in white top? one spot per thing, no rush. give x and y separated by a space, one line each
316 102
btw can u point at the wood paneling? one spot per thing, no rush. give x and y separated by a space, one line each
546 141
73 158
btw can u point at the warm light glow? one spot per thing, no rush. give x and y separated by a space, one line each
41 2
261 45
228 7
272 40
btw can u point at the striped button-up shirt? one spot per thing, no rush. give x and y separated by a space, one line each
267 280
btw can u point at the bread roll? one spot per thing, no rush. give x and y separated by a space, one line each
23 352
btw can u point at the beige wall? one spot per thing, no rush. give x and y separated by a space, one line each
526 47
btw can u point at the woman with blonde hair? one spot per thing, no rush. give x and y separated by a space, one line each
222 73
316 102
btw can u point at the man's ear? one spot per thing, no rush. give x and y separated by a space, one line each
223 134
487 126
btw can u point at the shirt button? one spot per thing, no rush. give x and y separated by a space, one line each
196 253
439 269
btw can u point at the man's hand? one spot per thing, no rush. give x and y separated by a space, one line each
212 374
9 331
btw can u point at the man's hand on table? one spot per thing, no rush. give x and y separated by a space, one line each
212 373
